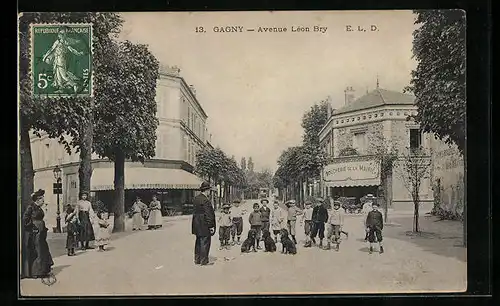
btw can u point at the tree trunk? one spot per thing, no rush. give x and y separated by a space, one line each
415 218
119 182
87 137
27 173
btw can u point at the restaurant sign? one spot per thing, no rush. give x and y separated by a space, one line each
350 173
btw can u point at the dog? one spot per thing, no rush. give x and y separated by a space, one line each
269 245
287 243
249 243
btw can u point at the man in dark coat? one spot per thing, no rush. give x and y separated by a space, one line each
203 225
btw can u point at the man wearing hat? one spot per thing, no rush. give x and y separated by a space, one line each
375 224
203 225
265 213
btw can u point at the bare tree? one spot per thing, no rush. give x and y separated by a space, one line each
414 167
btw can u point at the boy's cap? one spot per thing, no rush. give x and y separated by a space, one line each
336 203
308 203
255 205
225 206
375 204
236 201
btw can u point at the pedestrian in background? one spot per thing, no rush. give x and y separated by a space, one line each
237 221
293 211
203 225
225 224
319 217
155 219
265 214
85 215
277 220
255 221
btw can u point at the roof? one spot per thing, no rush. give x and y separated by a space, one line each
377 97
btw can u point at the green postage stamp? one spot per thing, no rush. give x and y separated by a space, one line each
61 60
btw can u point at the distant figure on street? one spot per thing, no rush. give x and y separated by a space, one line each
155 219
319 218
237 221
203 225
255 221
137 208
85 216
367 207
265 214
277 219
375 224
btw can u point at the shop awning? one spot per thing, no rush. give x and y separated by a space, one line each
352 172
145 178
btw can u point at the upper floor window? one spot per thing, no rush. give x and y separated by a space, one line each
415 139
359 142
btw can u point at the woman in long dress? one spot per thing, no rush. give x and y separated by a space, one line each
155 220
36 258
137 219
85 215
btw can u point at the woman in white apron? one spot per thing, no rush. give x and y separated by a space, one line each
155 219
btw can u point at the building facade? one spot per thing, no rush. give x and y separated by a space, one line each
181 133
353 138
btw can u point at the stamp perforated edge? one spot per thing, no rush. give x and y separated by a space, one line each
30 60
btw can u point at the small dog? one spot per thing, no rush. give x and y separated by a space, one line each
249 243
269 245
287 243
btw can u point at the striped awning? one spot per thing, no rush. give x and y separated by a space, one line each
145 178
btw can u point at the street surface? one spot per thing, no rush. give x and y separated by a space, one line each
161 263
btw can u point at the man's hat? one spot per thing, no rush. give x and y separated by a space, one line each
264 200
204 186
226 206
37 194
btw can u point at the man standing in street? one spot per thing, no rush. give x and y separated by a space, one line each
319 218
203 225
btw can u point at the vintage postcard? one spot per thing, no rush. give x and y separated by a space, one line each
237 153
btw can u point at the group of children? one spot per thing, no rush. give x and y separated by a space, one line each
315 219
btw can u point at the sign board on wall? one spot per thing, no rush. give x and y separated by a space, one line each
350 173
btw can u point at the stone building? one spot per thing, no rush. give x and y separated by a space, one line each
356 134
180 134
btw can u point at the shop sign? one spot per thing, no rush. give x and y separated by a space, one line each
352 173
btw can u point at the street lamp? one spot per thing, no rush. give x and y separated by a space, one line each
58 190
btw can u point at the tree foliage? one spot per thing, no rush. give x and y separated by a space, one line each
313 121
438 82
250 165
243 164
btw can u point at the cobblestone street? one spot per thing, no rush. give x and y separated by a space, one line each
161 263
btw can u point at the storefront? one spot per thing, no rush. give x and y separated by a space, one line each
173 187
352 177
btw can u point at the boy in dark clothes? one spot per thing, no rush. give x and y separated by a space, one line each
265 213
319 218
374 225
255 221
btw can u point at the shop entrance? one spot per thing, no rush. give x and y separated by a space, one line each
353 192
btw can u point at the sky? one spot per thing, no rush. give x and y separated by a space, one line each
256 86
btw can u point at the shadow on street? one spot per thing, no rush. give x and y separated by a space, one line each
442 238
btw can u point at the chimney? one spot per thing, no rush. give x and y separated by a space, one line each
349 95
193 90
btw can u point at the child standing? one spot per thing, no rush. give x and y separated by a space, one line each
103 233
237 221
335 222
255 221
277 218
292 219
307 219
71 228
224 227
375 224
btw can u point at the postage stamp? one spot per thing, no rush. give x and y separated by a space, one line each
61 60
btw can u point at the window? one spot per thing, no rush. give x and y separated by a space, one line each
415 139
359 142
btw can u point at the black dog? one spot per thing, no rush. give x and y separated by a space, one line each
249 243
269 245
287 243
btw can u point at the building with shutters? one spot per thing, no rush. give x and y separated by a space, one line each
182 131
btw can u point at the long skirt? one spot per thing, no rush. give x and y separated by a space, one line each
86 228
137 221
36 257
155 218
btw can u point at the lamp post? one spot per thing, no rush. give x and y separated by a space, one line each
58 190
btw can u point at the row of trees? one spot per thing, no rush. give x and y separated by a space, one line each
219 169
118 123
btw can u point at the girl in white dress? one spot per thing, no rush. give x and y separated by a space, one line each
155 219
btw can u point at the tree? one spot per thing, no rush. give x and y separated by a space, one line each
126 109
250 164
63 116
243 164
438 81
313 121
211 163
413 168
